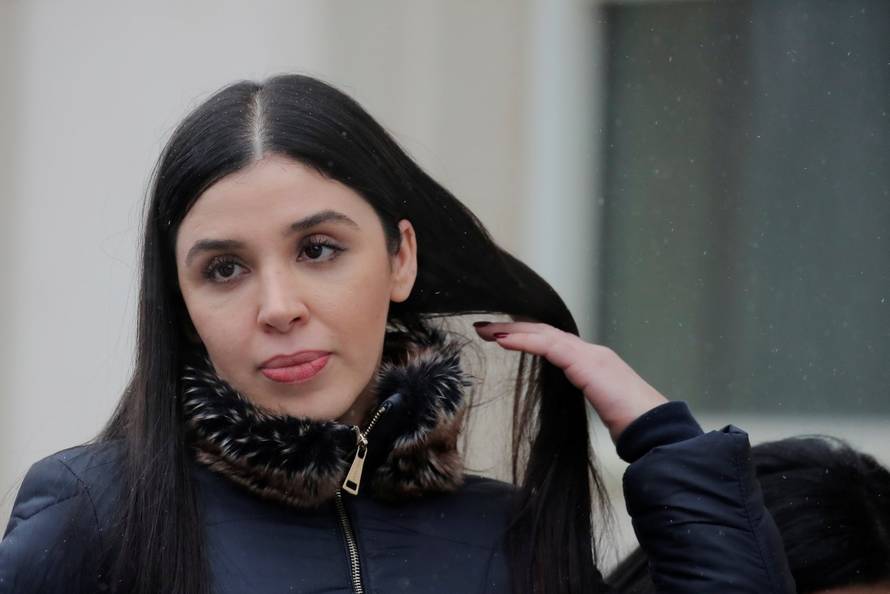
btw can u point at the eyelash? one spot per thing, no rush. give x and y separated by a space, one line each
216 263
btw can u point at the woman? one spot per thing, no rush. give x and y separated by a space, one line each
292 419
832 506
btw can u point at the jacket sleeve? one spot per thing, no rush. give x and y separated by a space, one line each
52 535
697 508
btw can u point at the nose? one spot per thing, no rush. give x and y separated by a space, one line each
281 303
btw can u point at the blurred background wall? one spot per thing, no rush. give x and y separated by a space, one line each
706 184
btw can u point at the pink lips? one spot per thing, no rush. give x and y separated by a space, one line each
294 368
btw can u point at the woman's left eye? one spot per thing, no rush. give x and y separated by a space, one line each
319 250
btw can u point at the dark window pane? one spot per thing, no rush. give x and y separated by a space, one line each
747 213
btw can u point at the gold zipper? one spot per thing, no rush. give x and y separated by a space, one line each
355 568
354 476
351 485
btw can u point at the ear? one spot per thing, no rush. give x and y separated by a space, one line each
404 263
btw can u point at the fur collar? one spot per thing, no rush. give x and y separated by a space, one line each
412 447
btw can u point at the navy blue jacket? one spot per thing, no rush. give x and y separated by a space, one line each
695 503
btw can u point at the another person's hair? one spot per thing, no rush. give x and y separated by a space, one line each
831 504
157 544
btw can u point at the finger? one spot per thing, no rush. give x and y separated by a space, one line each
487 331
560 351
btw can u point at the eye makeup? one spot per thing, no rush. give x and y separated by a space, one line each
314 247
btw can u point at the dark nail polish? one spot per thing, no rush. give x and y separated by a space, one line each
480 324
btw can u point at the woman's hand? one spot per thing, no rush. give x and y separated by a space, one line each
615 390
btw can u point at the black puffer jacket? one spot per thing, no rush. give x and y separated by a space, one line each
276 519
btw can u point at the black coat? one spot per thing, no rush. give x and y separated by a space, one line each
695 503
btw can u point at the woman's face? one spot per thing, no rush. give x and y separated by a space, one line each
276 261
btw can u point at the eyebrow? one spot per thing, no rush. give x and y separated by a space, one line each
313 220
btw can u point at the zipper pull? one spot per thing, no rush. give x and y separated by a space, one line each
354 477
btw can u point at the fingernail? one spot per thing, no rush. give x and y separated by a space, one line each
501 334
480 324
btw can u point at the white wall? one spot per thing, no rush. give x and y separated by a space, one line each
8 164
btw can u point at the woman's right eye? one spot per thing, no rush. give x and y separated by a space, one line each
222 270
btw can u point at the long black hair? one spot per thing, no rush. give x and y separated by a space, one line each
461 270
831 504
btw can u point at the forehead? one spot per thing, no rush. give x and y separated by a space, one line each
268 196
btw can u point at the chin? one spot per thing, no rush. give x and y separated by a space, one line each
306 410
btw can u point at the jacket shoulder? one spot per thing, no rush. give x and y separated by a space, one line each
477 513
486 495
81 471
57 521
486 488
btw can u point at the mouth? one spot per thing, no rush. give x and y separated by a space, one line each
292 369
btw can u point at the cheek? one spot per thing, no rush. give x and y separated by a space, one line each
356 311
222 325
366 299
